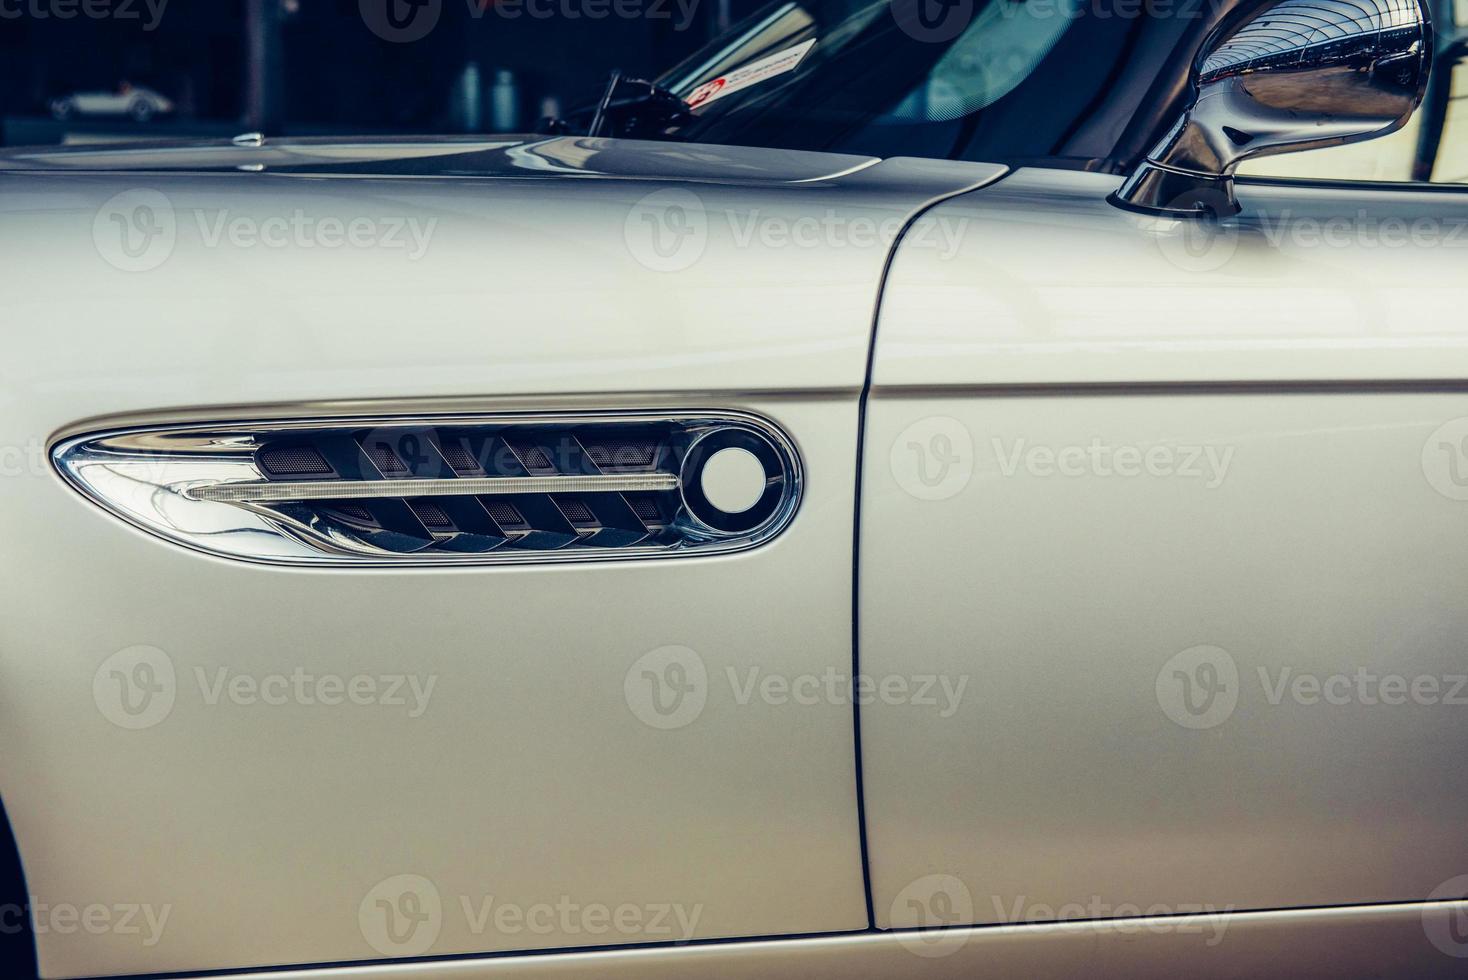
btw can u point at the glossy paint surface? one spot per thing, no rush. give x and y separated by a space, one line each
1192 538
1052 285
537 772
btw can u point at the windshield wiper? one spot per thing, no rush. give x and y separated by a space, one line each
630 107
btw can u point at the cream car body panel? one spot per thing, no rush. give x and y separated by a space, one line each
1311 283
1073 778
1174 502
524 777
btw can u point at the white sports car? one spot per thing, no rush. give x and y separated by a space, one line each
882 500
133 101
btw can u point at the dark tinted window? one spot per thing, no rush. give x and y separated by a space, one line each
973 79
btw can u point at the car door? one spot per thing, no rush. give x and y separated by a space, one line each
1177 507
98 102
287 733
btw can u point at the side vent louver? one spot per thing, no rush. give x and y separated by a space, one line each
464 489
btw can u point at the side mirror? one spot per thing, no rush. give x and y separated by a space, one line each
1299 75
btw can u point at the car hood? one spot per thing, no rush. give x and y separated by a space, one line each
302 272
479 156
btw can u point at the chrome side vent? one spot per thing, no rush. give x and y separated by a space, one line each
451 490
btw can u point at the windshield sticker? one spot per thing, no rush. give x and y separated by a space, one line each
751 74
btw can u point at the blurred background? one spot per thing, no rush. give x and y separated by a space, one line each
108 70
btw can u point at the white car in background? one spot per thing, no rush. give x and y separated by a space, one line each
135 102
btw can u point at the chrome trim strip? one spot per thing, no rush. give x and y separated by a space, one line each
263 493
1397 939
288 543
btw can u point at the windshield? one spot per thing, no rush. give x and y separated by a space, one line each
977 79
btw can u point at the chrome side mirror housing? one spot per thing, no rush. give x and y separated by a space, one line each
1299 75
